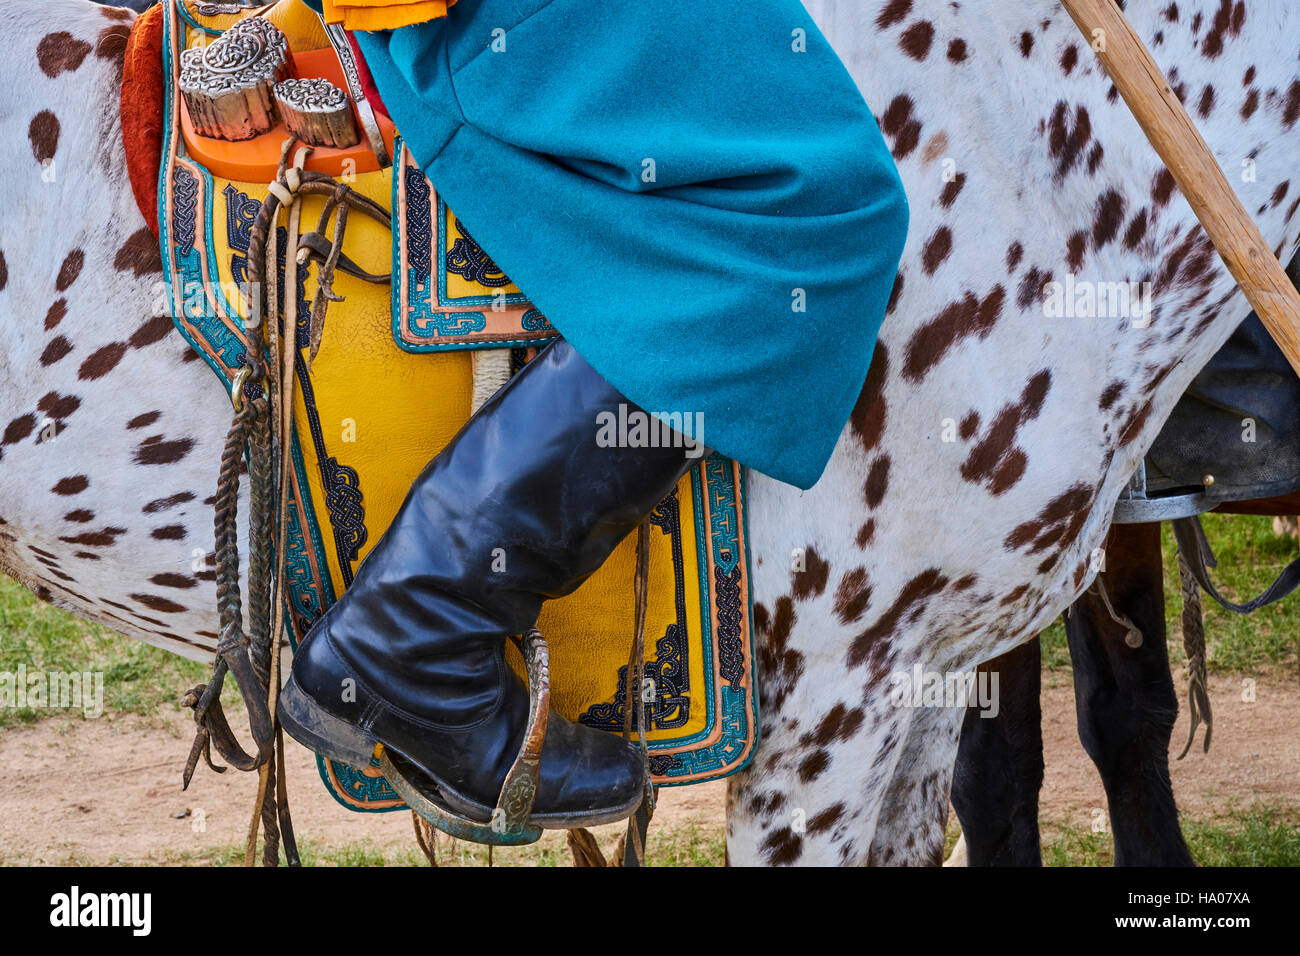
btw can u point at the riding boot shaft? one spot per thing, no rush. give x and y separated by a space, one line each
523 505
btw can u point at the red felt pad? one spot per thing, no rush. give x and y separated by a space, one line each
142 110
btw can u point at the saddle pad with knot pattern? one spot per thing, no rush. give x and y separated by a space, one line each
447 292
370 411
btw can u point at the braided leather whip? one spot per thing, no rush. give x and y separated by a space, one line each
262 425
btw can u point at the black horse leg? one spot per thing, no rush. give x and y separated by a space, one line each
1124 697
999 767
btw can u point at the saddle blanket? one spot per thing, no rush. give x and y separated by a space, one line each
391 385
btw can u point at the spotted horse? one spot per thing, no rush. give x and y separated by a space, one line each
1231 445
1022 167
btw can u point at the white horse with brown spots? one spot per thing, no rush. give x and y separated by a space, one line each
1019 419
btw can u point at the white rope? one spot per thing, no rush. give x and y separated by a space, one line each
1134 636
491 371
277 190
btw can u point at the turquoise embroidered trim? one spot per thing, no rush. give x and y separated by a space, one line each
395 307
368 790
534 321
719 539
430 322
188 18
511 298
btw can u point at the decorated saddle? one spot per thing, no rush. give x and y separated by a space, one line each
422 328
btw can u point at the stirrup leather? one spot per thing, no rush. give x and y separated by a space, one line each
509 825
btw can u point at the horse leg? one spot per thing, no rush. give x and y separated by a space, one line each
810 803
1125 700
1000 766
914 814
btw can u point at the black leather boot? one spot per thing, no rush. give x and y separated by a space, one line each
412 655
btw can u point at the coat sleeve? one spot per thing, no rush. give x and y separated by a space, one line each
695 194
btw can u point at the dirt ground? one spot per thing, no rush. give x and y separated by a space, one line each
1254 755
108 790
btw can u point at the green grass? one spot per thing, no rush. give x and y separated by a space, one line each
683 846
1074 847
1261 836
1250 557
138 679
311 852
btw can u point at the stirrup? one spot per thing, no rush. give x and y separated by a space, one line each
510 824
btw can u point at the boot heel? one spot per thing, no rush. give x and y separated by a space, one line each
312 726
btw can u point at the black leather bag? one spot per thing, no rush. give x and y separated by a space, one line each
1248 380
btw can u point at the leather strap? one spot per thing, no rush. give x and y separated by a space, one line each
638 825
1196 551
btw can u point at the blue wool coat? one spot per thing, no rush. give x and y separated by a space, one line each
695 194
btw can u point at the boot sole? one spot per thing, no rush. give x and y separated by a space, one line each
335 739
320 731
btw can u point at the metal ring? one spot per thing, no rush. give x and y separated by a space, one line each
237 387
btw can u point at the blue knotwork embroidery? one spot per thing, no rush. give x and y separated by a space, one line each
725 540
466 258
734 724
723 520
195 310
241 213
427 322
730 615
667 671
343 502
423 319
186 193
419 223
305 600
734 719
360 788
534 321
343 498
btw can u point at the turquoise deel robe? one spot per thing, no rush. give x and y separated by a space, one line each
694 193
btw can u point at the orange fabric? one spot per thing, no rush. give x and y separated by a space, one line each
383 14
142 110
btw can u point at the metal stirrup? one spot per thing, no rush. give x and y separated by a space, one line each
510 824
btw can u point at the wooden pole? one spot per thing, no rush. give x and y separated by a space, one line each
1176 139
